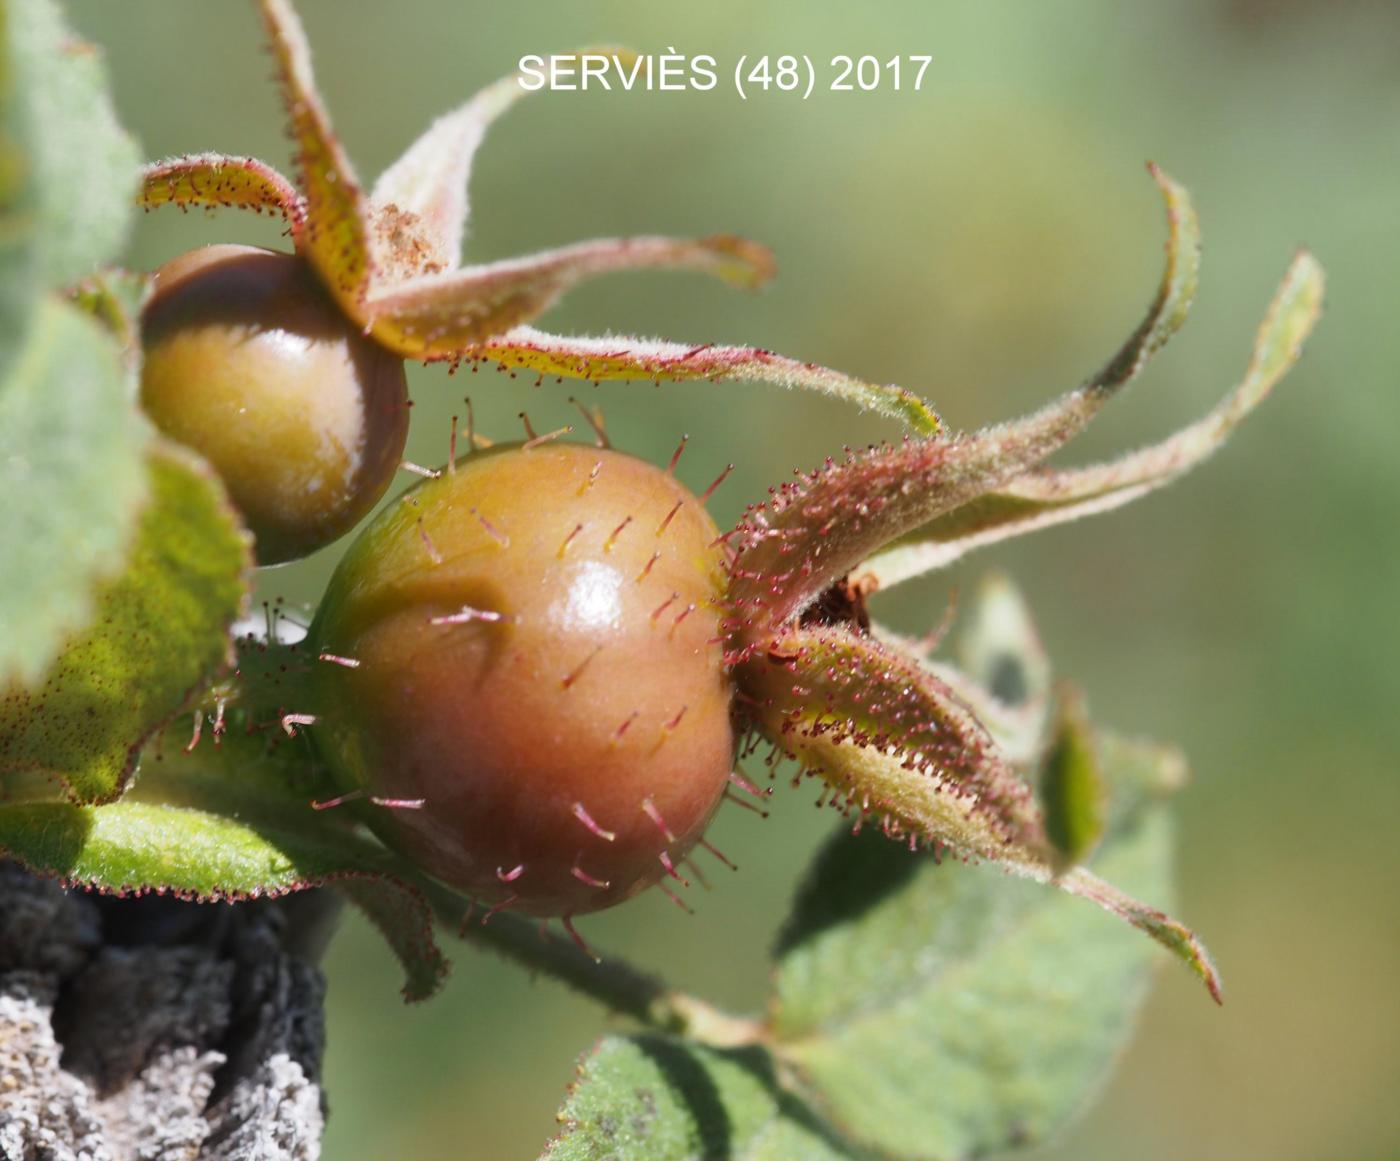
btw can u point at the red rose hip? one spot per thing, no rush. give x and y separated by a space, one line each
535 639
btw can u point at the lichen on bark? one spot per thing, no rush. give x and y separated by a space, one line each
150 1029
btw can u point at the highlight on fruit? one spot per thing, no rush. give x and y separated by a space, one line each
539 666
248 361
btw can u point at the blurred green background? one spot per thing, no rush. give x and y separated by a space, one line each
987 241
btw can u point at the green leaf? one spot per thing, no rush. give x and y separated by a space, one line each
945 1011
897 745
160 629
1136 772
1071 783
269 782
136 847
85 165
227 822
115 298
73 475
658 1098
1005 671
998 646
18 238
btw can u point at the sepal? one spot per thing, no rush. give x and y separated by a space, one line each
616 357
834 518
1045 497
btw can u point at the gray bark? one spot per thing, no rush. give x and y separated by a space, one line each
157 1030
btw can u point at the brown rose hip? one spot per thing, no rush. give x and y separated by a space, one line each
529 646
248 361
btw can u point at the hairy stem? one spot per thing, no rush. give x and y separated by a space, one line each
611 981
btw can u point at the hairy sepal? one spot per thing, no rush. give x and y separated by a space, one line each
1172 934
892 741
895 744
1002 673
611 358
336 237
213 181
431 179
1046 497
839 515
437 315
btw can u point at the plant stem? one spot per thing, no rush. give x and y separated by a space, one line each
610 980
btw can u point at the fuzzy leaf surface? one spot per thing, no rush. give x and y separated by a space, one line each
135 847
115 297
945 1011
999 647
894 743
159 629
72 468
1072 791
84 164
227 822
659 1098
19 250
